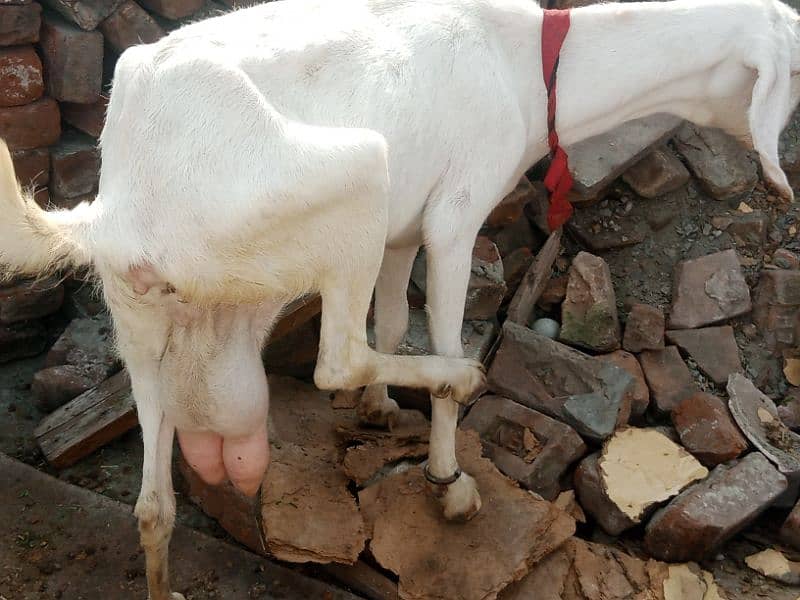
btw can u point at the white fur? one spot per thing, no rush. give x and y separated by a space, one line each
276 151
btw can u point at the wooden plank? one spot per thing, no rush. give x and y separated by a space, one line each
88 422
296 313
363 579
534 281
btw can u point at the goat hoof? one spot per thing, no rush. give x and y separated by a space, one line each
385 416
472 383
177 596
460 500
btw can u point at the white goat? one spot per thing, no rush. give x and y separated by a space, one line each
247 160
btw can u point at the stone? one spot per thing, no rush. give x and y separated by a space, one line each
513 531
777 308
588 394
596 162
708 290
30 300
639 392
789 410
515 265
644 329
757 417
21 340
88 118
581 570
702 518
525 444
31 126
20 24
658 173
32 167
568 502
512 206
173 9
85 340
73 59
717 160
790 529
747 229
593 497
600 233
534 281
773 564
786 259
553 293
86 14
707 430
546 327
55 386
668 377
75 166
130 25
486 289
20 76
714 349
589 312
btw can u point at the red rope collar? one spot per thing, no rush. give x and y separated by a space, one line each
558 179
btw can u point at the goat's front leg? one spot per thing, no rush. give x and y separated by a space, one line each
155 508
391 322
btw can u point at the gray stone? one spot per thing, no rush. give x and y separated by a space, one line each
718 160
87 14
658 173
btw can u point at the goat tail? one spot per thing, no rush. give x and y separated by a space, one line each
35 242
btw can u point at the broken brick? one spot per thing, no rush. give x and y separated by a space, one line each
668 377
20 76
747 229
20 24
714 349
130 25
73 59
85 340
790 530
658 173
21 340
30 300
32 167
553 293
74 165
173 9
88 118
702 518
719 161
707 430
514 267
589 312
786 259
55 386
707 290
639 392
594 499
510 208
777 307
644 329
526 445
86 14
30 126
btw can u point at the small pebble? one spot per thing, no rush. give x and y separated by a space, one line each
547 327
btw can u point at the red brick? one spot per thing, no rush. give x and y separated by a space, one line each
21 340
511 207
20 76
73 59
86 14
130 25
707 430
55 386
75 166
88 118
777 307
26 300
644 329
173 9
714 349
668 377
31 126
32 167
20 24
639 392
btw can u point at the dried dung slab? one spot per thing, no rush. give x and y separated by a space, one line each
714 349
757 417
773 564
581 570
513 531
689 582
525 444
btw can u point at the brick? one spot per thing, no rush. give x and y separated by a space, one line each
511 208
644 329
702 518
130 25
707 430
594 499
786 259
173 9
73 59
668 377
790 530
88 118
21 340
75 166
20 24
717 160
714 349
86 14
32 167
53 387
20 76
596 162
639 392
658 173
525 444
708 290
85 340
589 312
31 126
747 229
26 300
514 267
553 293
